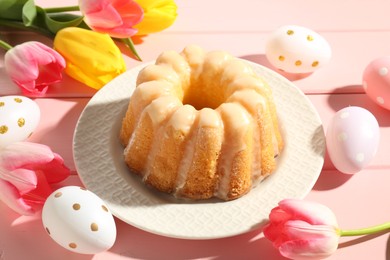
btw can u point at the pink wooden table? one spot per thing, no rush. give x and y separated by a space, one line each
358 32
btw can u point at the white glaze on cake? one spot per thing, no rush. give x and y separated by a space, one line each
218 113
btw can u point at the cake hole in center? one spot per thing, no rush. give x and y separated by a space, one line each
204 95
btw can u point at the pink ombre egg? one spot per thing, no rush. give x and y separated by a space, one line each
376 81
352 139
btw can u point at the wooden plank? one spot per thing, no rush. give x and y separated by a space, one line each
343 74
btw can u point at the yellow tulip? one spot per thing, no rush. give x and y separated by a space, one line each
158 15
91 57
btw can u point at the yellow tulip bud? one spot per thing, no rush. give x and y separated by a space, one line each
158 15
91 57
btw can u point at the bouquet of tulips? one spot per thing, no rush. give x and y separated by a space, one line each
83 36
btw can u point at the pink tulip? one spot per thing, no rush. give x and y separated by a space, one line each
303 230
26 170
114 17
33 66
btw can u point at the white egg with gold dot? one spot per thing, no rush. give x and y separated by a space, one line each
296 49
19 117
79 220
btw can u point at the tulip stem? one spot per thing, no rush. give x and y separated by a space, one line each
62 9
129 43
366 231
5 45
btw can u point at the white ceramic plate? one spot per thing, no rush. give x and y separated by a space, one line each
99 162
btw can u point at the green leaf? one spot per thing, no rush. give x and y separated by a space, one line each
12 9
58 21
20 26
29 13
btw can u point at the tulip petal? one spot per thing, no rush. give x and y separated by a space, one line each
37 197
275 233
26 169
33 66
118 32
131 12
55 171
48 75
30 89
79 45
19 65
20 154
158 15
114 17
28 58
34 157
10 196
297 229
104 17
24 180
309 249
311 212
274 229
278 215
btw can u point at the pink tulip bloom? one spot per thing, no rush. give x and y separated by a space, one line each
114 17
26 170
33 66
303 230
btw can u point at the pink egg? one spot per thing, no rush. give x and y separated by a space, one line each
352 139
376 81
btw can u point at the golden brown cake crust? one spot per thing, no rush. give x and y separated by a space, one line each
201 125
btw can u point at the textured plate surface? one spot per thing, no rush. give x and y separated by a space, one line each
99 161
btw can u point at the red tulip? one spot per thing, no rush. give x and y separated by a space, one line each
303 230
26 170
113 17
33 67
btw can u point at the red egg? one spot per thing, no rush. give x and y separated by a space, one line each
376 81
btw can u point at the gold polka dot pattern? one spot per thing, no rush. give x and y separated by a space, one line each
298 63
3 129
94 227
74 218
290 32
21 122
72 245
76 206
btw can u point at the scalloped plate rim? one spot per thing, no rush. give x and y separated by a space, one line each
122 204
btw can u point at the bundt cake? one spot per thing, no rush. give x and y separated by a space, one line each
200 125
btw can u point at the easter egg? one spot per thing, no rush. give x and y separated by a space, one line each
352 139
79 220
19 116
376 81
296 49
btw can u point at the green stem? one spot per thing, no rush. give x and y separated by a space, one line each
62 9
129 43
5 45
366 231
